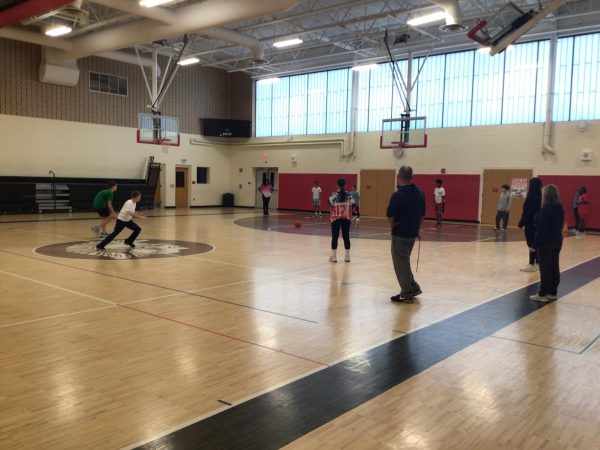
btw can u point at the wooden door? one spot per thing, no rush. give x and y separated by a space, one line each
376 187
492 180
181 187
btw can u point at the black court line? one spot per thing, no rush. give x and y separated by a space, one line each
283 415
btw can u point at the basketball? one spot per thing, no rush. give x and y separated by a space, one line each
297 224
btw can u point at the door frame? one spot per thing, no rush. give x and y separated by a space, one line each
187 169
257 196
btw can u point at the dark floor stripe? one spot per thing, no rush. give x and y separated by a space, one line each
283 415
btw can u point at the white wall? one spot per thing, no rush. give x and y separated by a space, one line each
32 147
458 150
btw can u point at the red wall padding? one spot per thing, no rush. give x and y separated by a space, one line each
295 188
567 184
462 195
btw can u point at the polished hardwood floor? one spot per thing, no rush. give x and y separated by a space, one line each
105 353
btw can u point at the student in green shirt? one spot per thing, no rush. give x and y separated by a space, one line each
103 206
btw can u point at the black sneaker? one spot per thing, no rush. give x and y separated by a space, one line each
402 298
417 293
99 247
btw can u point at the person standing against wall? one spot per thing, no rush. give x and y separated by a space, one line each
439 199
582 209
504 202
532 205
547 243
405 213
266 189
316 198
341 213
356 197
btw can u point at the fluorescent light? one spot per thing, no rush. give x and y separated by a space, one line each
510 47
272 80
188 61
484 50
57 30
365 67
427 18
287 43
151 3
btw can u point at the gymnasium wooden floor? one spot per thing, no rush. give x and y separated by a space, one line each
107 354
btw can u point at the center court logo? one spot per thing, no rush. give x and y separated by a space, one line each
118 250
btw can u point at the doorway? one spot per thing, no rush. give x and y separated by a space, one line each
182 182
492 180
267 173
376 187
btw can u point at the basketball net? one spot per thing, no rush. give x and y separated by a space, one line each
165 145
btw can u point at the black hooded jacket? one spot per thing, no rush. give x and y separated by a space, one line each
532 204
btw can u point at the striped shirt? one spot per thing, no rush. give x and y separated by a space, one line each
341 209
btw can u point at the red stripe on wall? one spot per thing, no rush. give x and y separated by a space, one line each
462 194
567 184
295 188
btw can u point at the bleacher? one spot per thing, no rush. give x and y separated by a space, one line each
18 194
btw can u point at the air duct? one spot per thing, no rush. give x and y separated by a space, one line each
63 73
168 17
239 39
453 17
208 14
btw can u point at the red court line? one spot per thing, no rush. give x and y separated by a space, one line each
223 335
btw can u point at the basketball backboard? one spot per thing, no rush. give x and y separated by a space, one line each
404 132
158 130
508 24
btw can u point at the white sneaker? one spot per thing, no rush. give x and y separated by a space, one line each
539 298
347 258
358 219
551 297
529 268
332 259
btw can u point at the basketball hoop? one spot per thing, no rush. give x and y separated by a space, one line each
165 144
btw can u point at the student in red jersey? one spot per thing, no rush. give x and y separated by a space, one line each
341 213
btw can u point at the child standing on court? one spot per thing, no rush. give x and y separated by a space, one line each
504 202
341 213
103 206
316 198
125 220
439 198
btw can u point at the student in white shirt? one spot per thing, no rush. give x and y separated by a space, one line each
316 198
439 199
125 220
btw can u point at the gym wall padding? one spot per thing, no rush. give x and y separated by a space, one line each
567 184
295 188
462 194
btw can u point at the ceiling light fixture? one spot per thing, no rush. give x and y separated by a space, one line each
484 50
427 18
188 61
57 30
152 3
365 67
287 43
271 80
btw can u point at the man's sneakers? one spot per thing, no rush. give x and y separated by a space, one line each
406 298
529 268
99 247
543 298
347 258
332 259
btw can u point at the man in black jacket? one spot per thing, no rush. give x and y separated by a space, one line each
405 214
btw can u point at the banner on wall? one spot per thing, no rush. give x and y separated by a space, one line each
518 187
